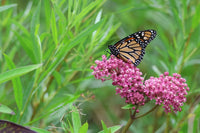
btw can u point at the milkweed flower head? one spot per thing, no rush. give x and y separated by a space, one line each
166 90
124 75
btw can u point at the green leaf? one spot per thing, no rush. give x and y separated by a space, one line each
110 129
57 77
64 126
47 8
76 119
21 27
6 109
35 39
39 130
17 86
196 18
70 126
156 70
69 15
53 27
105 129
192 62
85 11
9 75
60 14
128 106
26 43
55 106
84 128
3 8
62 23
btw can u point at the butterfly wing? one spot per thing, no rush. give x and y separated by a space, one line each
133 46
131 51
145 36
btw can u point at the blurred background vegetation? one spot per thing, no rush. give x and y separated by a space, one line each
48 46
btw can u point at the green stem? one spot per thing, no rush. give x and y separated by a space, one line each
130 121
147 112
132 118
167 124
184 51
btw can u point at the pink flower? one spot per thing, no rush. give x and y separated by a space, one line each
167 90
124 75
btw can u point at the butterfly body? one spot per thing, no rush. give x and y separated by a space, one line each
133 46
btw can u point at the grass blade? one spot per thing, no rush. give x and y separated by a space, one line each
9 75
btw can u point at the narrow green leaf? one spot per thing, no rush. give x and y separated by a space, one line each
58 77
128 106
76 119
64 126
85 11
70 126
21 27
34 26
47 8
44 35
39 48
61 99
26 43
55 107
176 13
53 27
196 18
17 86
6 109
62 23
39 130
9 75
105 129
3 8
60 14
84 128
156 70
49 51
112 129
192 62
69 15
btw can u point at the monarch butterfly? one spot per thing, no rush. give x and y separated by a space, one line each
133 46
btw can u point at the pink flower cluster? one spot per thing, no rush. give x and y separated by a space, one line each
166 90
125 76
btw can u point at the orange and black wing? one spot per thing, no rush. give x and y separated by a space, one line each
133 46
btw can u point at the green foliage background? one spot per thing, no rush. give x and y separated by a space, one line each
48 46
